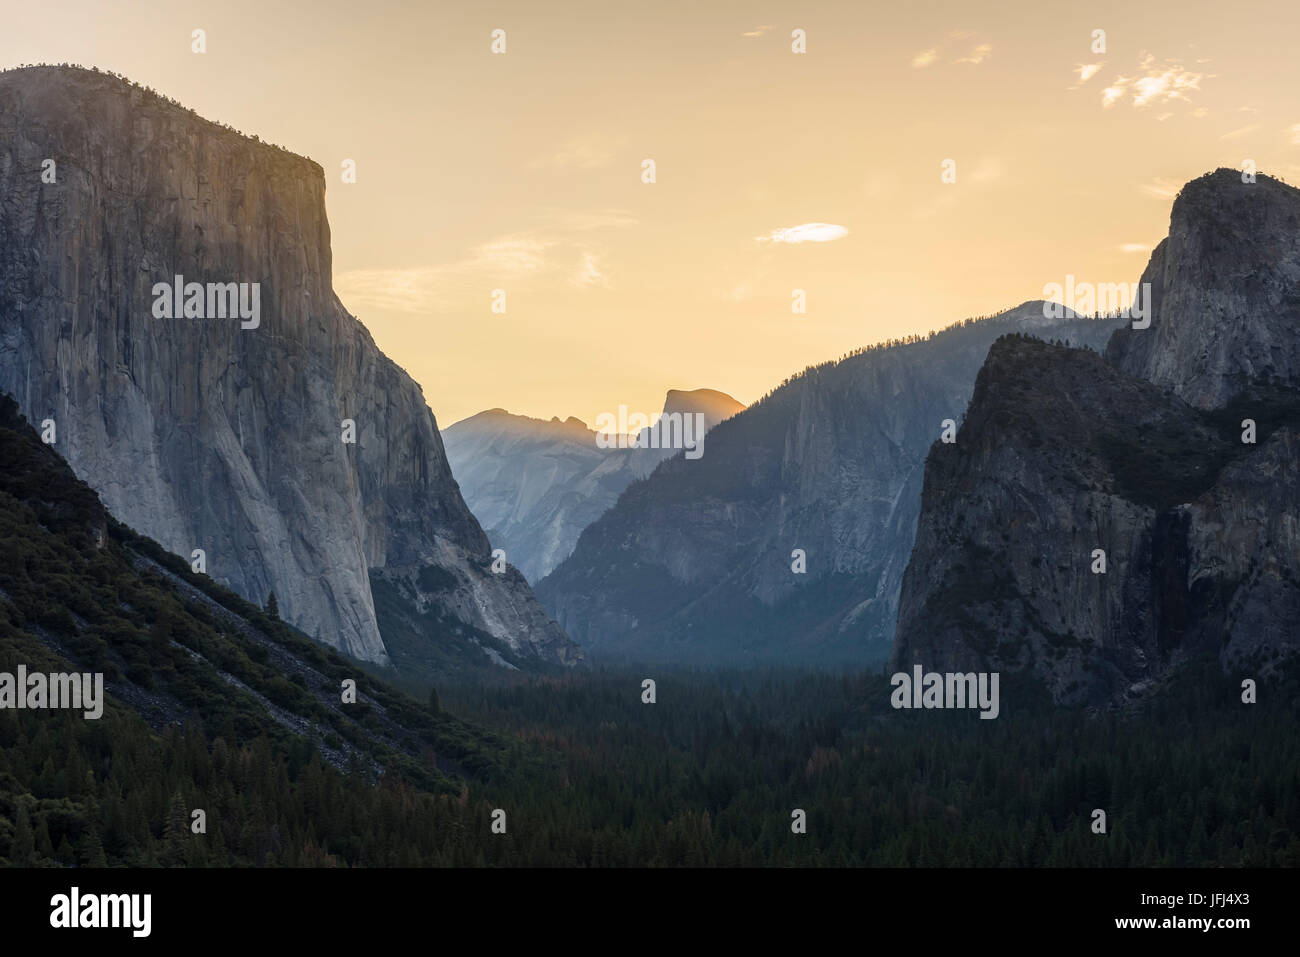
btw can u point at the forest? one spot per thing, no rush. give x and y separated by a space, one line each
708 775
216 705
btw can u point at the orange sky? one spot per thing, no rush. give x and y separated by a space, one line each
523 171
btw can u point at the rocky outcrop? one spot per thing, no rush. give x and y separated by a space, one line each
1176 459
536 484
1225 288
215 433
1064 463
697 563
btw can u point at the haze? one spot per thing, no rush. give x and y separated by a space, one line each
775 171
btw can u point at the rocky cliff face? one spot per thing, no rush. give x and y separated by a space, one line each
1063 453
1225 289
535 485
696 563
199 432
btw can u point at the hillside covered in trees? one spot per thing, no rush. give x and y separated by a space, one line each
215 705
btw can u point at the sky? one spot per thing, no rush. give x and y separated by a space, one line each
774 170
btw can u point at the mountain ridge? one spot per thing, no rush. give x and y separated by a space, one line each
535 484
695 563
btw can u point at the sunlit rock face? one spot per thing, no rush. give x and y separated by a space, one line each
213 433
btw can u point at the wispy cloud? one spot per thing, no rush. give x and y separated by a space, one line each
1239 133
589 272
1158 82
977 55
1086 72
1162 188
757 31
1112 95
562 250
586 151
805 233
1294 132
925 58
1135 247
742 291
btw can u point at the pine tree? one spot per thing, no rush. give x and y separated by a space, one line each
44 845
23 852
65 854
272 606
92 849
176 833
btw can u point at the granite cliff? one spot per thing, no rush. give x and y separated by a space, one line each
213 433
1177 456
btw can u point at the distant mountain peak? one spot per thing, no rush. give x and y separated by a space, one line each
693 565
715 405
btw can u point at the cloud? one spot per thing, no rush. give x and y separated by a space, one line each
1162 84
394 290
1135 247
431 288
1238 133
805 233
1294 131
589 272
587 151
977 55
742 291
517 255
549 252
1157 83
757 32
1086 72
1162 188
